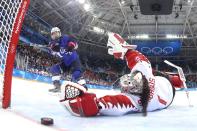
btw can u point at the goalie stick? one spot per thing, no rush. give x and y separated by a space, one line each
182 77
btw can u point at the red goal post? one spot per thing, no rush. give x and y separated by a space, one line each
12 14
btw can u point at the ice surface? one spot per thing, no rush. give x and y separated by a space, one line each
31 101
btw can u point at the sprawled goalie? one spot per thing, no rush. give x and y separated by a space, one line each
141 91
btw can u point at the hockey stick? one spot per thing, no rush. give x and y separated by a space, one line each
182 77
44 48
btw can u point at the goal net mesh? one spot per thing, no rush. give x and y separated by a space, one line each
12 13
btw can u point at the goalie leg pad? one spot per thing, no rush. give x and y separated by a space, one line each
85 105
116 105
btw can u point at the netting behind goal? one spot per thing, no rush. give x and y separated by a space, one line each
12 13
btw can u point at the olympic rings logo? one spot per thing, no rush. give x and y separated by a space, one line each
157 50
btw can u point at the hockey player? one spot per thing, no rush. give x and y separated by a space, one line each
64 47
141 91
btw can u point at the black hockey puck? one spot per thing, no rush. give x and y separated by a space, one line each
46 121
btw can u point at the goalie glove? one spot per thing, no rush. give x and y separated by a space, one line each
70 90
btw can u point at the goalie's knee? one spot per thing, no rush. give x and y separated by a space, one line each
85 105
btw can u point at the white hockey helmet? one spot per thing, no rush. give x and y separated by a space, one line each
55 33
117 46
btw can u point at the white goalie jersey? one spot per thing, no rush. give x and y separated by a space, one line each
161 94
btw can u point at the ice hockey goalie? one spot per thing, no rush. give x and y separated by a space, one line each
141 91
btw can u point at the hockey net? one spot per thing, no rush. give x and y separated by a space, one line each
12 13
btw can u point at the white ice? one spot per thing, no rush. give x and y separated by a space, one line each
31 101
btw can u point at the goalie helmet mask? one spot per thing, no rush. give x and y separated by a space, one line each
117 46
136 84
132 84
